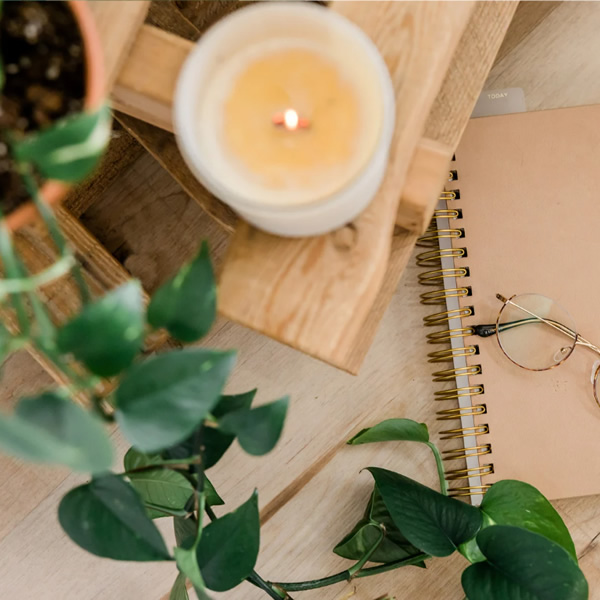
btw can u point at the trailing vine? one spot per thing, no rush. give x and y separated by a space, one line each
172 408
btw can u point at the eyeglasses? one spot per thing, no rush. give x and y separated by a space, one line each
538 334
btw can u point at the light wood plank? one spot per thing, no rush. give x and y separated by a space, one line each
117 23
122 151
315 293
429 166
162 146
61 297
161 226
451 110
145 88
160 143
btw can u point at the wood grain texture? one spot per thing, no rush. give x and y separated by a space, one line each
163 147
117 23
527 18
61 297
122 151
310 489
206 12
145 88
315 293
160 143
168 17
451 110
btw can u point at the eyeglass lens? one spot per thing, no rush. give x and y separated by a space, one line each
535 332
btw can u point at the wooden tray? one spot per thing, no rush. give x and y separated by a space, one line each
325 295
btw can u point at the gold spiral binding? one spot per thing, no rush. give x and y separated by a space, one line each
447 213
438 275
440 296
462 453
468 490
425 259
449 414
451 353
452 374
435 260
455 393
455 474
445 335
463 432
450 195
430 239
446 316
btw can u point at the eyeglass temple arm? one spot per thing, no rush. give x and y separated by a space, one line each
583 342
489 330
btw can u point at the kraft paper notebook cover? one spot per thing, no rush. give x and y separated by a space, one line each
529 207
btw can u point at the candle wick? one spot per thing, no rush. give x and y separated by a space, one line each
290 120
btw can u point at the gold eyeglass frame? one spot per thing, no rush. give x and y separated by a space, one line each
578 340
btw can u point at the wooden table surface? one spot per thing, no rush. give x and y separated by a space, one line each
311 490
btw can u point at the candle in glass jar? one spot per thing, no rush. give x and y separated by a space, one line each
285 112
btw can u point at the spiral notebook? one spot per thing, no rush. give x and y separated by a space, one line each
522 214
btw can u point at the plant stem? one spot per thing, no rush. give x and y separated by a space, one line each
55 232
346 576
355 570
440 468
254 578
12 270
259 582
210 512
98 406
15 285
174 464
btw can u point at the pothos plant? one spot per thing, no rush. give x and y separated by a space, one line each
172 408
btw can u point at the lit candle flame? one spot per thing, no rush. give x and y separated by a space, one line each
290 120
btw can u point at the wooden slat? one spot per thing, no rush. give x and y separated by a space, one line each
528 16
100 270
122 152
117 23
315 293
145 88
161 144
470 66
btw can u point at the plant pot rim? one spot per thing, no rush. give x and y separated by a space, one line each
54 191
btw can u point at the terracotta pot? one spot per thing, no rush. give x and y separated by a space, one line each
54 191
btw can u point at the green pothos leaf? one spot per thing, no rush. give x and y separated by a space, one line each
522 565
107 334
52 429
511 502
162 400
70 148
187 304
163 488
434 523
228 548
215 441
106 517
394 545
187 564
257 429
392 430
179 589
